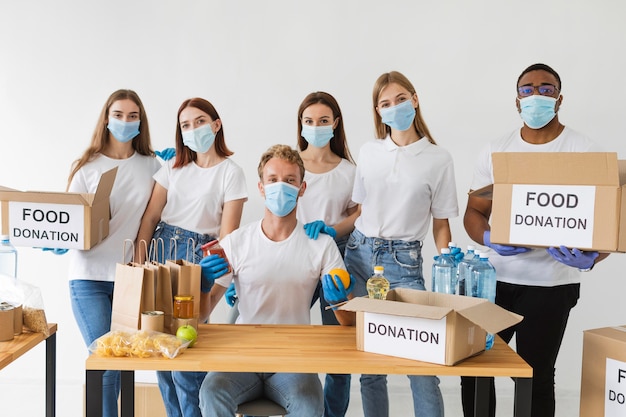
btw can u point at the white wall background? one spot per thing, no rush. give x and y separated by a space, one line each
256 60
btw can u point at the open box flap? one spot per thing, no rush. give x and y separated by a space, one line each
579 168
397 308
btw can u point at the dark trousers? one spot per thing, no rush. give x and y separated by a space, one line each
538 339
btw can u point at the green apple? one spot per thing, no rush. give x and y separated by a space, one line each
187 332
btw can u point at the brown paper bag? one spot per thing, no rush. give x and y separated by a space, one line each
132 289
164 299
185 278
135 291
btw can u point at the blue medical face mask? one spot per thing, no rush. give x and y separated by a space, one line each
317 136
537 111
399 117
200 139
123 131
281 198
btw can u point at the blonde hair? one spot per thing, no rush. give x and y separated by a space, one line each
394 77
284 152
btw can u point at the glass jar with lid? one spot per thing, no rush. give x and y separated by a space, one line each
183 306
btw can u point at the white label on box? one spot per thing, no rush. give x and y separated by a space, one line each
615 389
406 337
47 225
552 215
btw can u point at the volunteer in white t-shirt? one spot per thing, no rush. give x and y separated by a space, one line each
121 139
276 268
198 197
542 285
327 206
403 179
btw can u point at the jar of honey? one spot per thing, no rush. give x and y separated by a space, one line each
183 306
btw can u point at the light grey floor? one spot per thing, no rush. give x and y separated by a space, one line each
401 401
26 399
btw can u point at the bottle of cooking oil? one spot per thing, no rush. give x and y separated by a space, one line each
377 285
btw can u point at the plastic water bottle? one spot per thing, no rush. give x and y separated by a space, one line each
377 284
444 273
8 257
462 269
483 275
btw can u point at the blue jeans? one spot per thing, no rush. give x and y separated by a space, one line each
92 302
336 386
403 268
300 394
180 389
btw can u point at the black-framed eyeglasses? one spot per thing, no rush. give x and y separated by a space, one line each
544 90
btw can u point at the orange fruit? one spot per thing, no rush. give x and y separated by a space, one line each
343 276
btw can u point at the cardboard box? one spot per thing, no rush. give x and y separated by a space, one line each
148 401
547 199
55 219
427 326
603 381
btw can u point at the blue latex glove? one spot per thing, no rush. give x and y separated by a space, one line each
313 229
456 253
56 251
213 267
503 250
574 258
231 295
335 294
166 154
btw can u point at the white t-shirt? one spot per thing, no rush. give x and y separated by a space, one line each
537 266
275 281
327 195
399 188
196 195
130 194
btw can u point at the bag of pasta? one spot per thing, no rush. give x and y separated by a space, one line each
138 344
19 292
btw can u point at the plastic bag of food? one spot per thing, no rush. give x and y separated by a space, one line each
19 292
139 344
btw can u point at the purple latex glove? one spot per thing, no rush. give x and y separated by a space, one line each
503 250
574 257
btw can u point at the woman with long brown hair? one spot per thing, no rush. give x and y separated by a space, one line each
198 196
121 139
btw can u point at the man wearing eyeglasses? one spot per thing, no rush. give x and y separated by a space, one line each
543 285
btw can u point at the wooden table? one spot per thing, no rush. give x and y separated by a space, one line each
13 349
306 349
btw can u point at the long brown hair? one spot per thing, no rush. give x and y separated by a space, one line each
338 143
184 155
100 138
382 130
